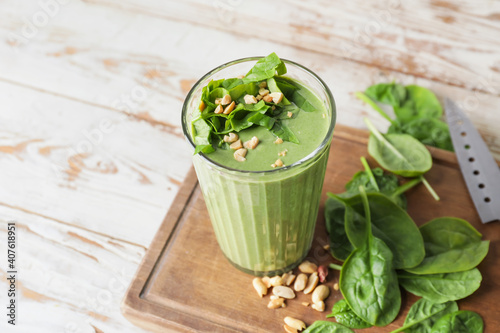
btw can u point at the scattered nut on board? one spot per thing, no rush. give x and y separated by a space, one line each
320 293
259 287
276 303
284 292
300 282
312 282
276 281
308 267
320 306
298 324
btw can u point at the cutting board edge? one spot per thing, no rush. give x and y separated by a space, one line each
134 305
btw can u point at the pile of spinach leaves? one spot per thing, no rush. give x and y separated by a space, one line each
417 112
208 128
382 249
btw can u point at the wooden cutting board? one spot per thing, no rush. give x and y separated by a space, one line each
185 284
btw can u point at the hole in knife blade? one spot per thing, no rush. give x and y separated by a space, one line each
471 159
463 134
481 185
476 172
487 199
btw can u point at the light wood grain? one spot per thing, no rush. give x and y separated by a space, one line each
70 280
57 163
78 58
443 40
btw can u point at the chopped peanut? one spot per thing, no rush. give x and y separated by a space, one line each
232 137
289 114
250 99
278 141
283 153
252 143
263 84
258 98
263 92
229 108
278 163
219 109
277 97
236 145
226 100
239 155
267 98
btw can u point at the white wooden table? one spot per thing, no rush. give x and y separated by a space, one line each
91 150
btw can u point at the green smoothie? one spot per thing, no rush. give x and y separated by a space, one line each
263 203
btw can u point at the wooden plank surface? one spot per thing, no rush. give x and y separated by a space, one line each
185 282
132 63
442 40
98 65
70 280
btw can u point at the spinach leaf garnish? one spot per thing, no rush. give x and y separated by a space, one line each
208 128
266 68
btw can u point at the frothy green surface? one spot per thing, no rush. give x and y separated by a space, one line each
309 127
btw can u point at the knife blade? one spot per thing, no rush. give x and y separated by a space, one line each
479 169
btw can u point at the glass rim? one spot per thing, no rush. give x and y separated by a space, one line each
316 152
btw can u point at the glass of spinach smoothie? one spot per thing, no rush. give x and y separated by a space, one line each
261 137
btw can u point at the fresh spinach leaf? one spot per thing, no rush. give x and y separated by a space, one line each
241 90
429 131
420 102
399 153
374 180
443 287
201 132
231 83
391 224
459 322
218 93
368 280
321 326
206 149
344 315
387 93
262 120
272 86
423 314
284 132
265 68
451 245
340 246
286 88
302 98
